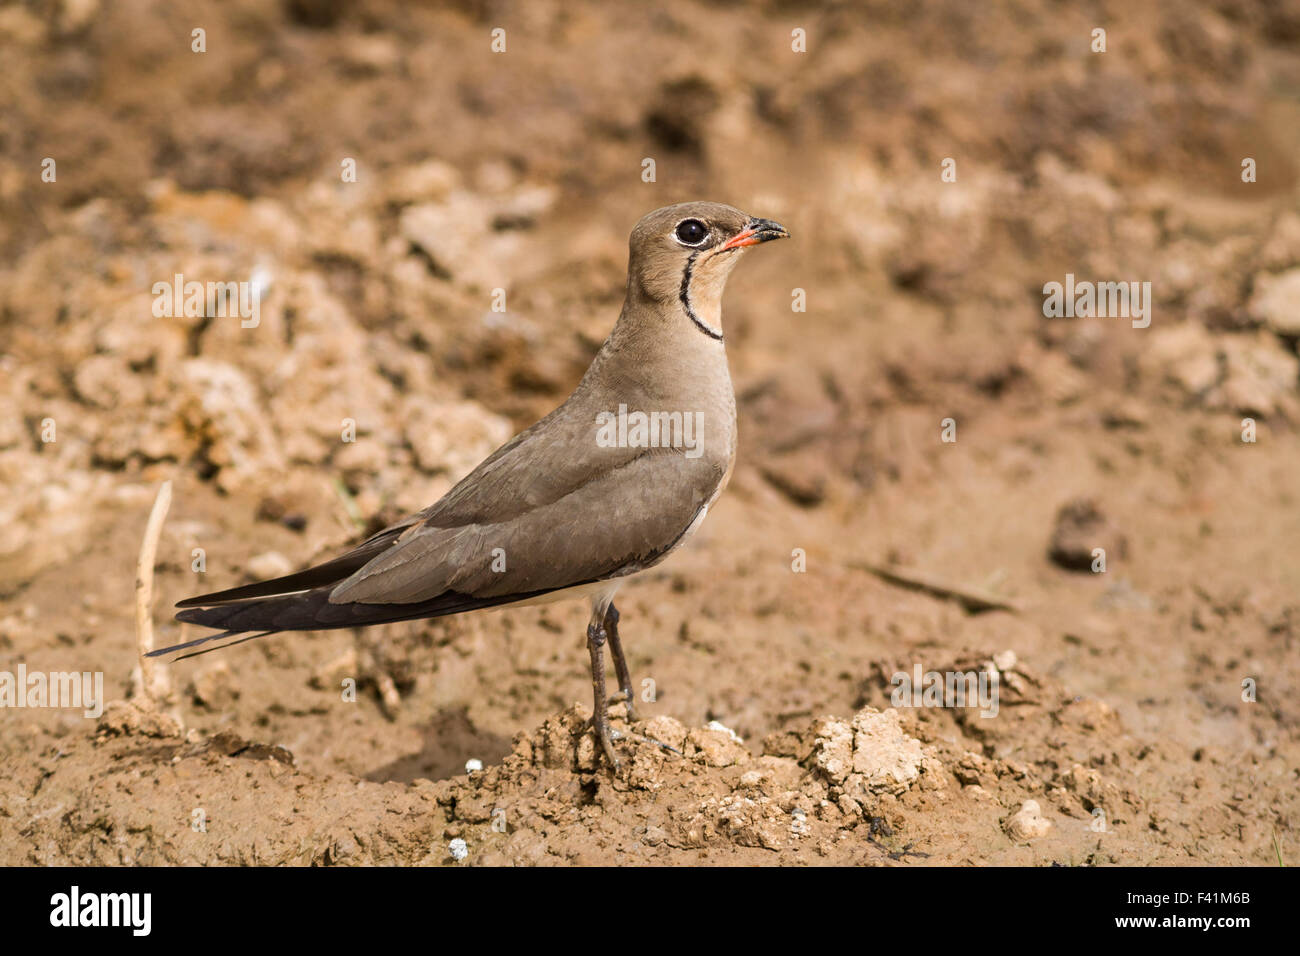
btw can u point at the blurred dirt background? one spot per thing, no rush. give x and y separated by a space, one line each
1122 736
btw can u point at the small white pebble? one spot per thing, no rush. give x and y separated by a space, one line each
719 725
458 849
473 764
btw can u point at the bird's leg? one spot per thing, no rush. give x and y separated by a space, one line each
600 711
620 662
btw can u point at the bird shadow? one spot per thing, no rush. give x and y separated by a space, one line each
450 739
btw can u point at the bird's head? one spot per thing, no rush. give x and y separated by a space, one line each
685 252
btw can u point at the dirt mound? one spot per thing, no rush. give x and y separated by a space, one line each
876 787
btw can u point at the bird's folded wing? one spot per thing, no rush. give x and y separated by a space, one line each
517 528
331 572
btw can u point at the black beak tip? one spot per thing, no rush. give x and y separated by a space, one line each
768 230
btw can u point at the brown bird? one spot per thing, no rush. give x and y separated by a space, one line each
607 485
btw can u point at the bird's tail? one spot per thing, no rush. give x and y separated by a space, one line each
240 621
179 652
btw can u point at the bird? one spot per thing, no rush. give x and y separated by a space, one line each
606 486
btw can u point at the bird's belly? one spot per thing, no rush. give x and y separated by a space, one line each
602 591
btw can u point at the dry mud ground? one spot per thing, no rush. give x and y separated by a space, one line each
1121 709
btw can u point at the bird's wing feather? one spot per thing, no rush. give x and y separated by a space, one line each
643 503
645 507
536 498
537 507
330 572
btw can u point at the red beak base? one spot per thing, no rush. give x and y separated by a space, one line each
756 231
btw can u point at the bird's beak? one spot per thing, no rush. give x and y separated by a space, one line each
756 231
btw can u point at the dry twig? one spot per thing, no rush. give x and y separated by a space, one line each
972 599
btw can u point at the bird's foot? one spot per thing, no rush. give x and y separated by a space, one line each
604 731
605 737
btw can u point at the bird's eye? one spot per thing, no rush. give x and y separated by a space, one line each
691 231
